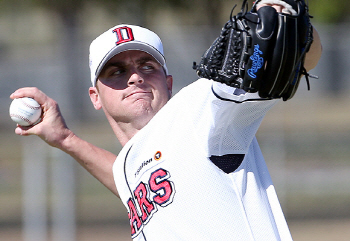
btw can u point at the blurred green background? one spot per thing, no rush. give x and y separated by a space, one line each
44 195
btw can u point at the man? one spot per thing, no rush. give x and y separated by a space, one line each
190 168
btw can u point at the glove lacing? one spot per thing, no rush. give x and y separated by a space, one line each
224 44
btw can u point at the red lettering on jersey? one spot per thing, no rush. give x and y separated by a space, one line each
124 34
163 192
142 195
162 187
135 221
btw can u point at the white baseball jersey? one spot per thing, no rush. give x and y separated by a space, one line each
196 172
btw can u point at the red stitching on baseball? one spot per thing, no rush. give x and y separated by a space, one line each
30 106
22 118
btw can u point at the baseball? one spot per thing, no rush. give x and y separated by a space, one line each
25 111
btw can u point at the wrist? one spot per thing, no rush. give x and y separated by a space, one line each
67 142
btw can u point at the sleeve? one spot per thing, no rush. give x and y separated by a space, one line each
213 117
235 117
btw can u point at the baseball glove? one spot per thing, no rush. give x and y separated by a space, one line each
261 50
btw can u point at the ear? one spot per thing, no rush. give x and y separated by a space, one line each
95 98
169 81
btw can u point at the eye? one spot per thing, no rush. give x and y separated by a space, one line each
114 72
147 67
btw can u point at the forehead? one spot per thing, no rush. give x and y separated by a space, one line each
131 55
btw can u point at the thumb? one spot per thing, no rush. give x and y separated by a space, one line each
23 131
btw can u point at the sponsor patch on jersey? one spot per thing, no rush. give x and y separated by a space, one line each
145 165
158 156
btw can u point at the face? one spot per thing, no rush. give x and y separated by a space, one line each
131 88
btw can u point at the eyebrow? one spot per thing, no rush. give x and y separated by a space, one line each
140 60
146 59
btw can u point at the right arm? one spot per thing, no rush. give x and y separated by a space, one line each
54 131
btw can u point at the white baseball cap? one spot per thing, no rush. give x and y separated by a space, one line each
122 38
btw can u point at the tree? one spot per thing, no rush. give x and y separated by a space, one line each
330 11
334 13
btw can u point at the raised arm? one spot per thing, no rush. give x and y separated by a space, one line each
54 131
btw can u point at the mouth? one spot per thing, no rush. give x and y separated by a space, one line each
138 93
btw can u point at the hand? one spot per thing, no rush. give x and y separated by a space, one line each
52 127
278 7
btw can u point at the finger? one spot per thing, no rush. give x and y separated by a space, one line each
24 92
278 8
31 92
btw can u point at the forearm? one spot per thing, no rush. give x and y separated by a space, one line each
97 161
313 56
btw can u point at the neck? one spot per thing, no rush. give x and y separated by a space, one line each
125 131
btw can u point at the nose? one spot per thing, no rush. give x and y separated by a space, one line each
135 79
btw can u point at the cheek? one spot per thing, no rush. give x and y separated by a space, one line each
163 94
109 99
117 85
114 83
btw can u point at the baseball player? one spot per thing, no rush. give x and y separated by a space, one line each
190 167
